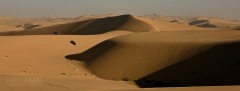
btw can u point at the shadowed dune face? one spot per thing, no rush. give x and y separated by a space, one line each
214 67
236 28
183 58
202 23
196 22
207 25
93 26
29 26
124 22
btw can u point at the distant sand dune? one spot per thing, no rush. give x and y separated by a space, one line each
236 28
168 26
5 28
93 26
29 26
202 23
188 58
196 22
213 23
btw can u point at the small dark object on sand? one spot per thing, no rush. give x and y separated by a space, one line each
56 33
73 42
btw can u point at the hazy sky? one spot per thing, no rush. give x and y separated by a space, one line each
37 8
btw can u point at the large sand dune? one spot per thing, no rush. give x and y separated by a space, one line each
128 52
184 58
92 26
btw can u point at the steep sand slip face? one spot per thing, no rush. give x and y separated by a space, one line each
217 88
40 60
180 58
103 25
93 26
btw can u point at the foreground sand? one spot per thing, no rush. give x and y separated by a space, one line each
42 58
116 48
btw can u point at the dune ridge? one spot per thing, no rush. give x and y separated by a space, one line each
146 55
122 53
92 26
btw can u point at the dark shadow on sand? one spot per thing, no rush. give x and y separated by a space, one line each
215 67
103 25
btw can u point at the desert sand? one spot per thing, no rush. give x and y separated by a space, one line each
119 53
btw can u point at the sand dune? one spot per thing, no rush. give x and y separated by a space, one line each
29 26
43 21
7 28
187 58
93 26
202 23
121 53
212 23
169 26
